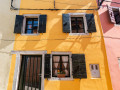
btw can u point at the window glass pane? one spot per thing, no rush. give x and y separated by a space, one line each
56 58
31 25
29 31
77 25
64 58
60 66
29 22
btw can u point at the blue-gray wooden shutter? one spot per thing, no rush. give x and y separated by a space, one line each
18 23
66 23
90 23
42 23
79 66
47 71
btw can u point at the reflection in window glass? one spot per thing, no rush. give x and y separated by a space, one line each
31 25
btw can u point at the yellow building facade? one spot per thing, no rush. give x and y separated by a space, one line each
55 40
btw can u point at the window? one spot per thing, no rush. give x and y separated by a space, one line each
31 25
77 25
60 66
30 73
114 13
95 73
119 62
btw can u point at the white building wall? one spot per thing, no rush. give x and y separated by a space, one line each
7 20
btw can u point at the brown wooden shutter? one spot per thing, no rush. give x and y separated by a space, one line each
111 14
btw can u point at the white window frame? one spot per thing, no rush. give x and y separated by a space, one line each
85 23
18 66
62 53
94 70
24 23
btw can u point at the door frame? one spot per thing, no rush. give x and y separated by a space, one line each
18 66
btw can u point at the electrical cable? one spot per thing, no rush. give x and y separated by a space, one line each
14 8
64 39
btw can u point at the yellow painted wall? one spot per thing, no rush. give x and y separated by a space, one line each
54 39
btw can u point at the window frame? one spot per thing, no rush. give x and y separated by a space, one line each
18 66
70 63
24 23
84 21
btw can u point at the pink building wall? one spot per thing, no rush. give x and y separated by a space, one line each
111 33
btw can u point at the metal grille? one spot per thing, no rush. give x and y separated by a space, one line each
30 73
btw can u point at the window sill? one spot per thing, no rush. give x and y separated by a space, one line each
61 79
78 33
30 34
117 24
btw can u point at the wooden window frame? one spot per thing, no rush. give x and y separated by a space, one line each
85 23
70 65
24 23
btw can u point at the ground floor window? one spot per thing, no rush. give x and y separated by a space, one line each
30 72
60 66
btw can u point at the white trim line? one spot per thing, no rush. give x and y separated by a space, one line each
28 52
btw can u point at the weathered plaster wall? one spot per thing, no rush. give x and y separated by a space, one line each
111 34
7 18
54 39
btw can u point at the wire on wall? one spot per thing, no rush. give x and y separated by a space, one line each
14 8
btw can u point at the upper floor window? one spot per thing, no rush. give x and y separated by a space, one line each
78 23
114 13
30 24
